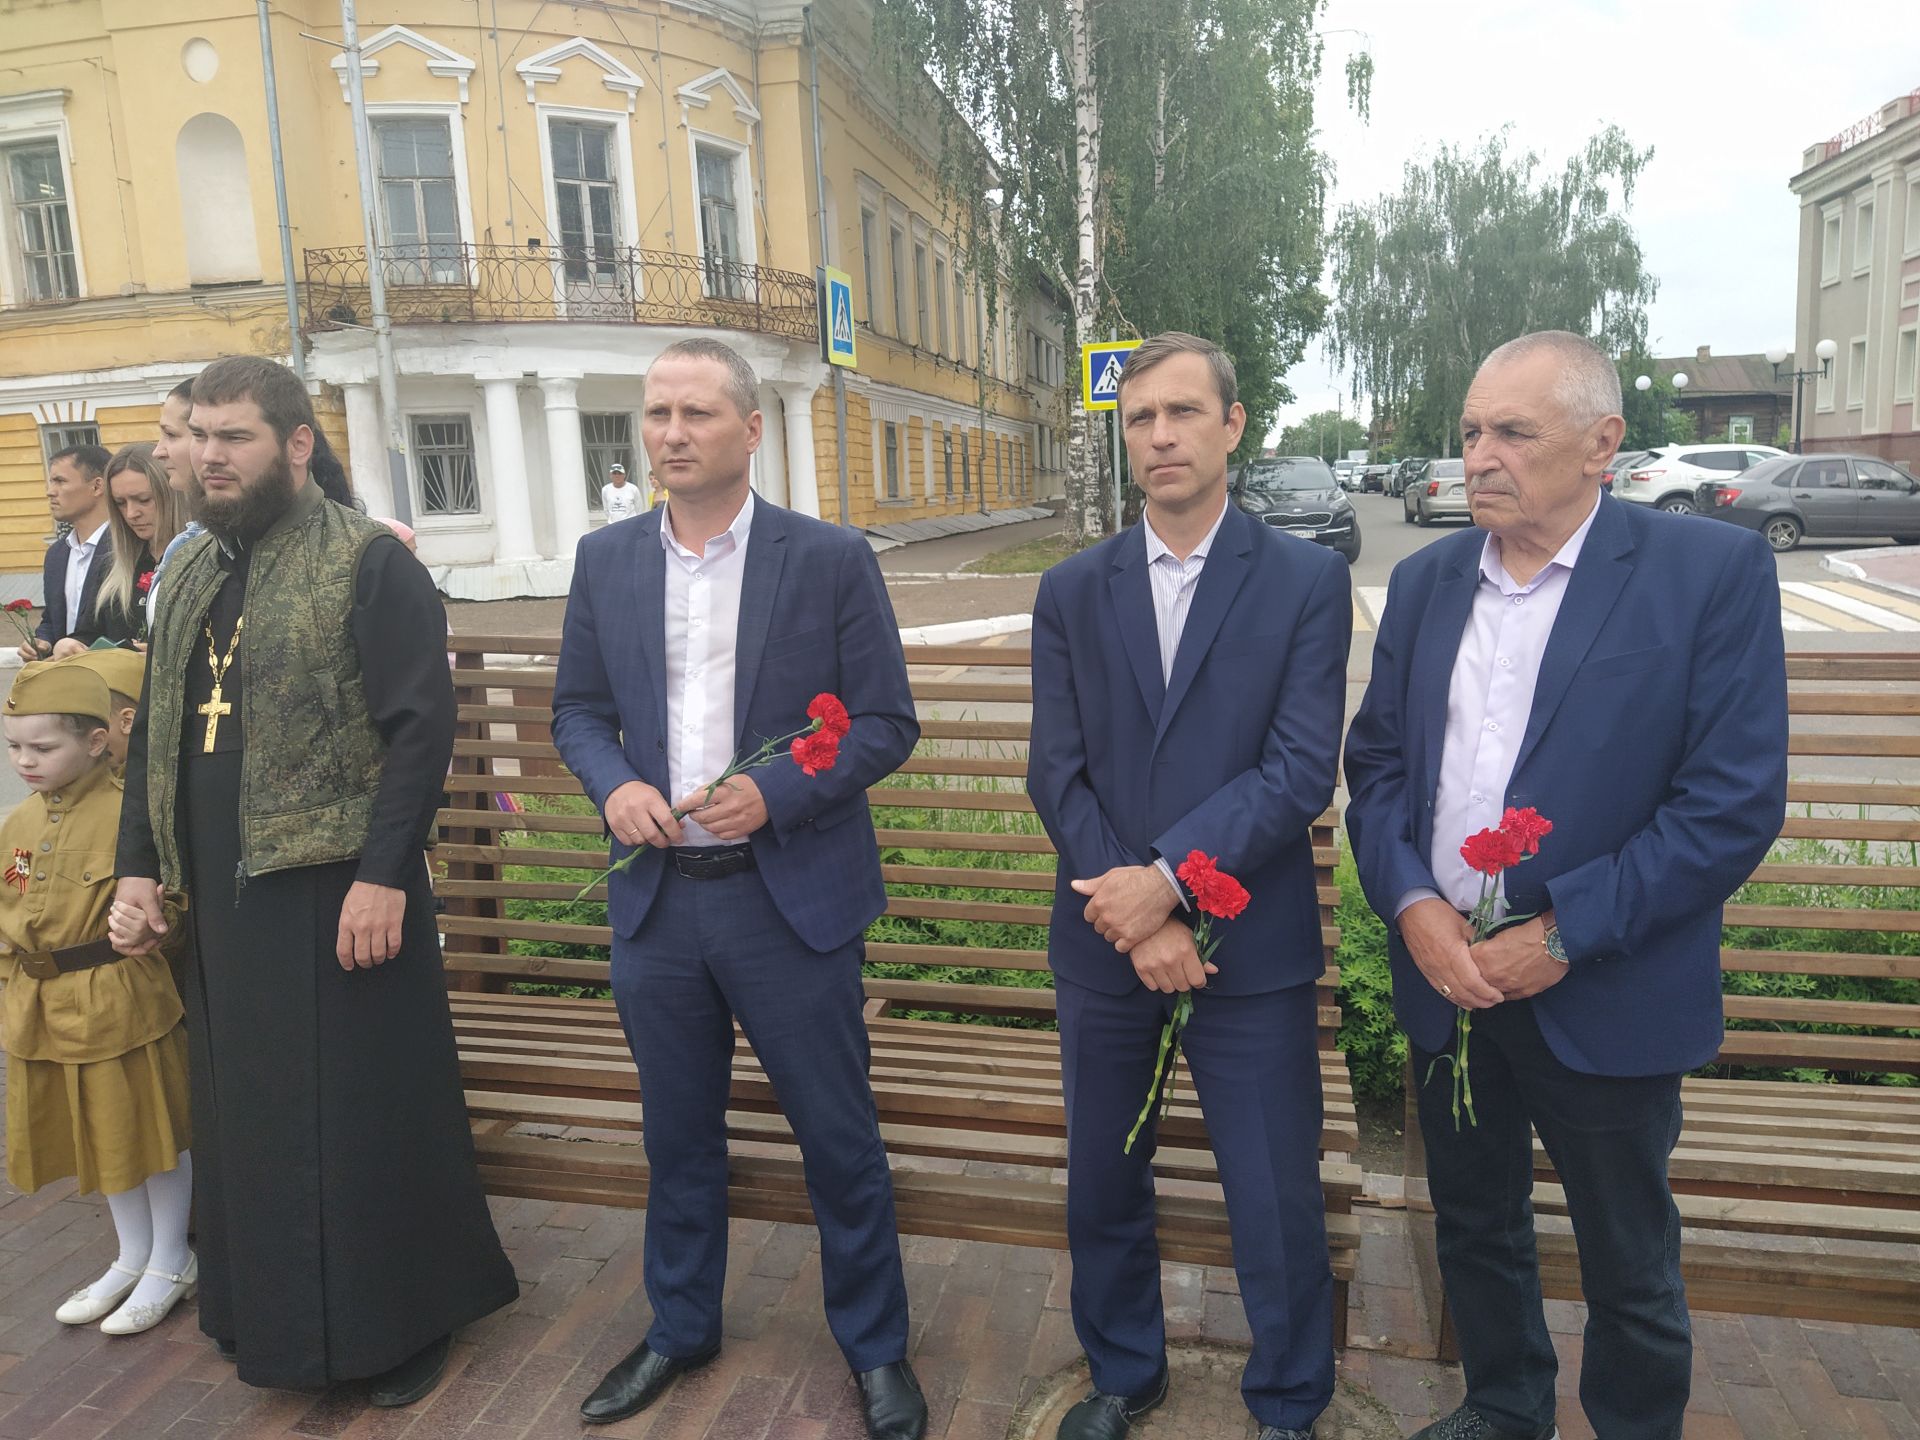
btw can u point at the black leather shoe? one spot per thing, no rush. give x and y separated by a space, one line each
1108 1417
1467 1423
227 1348
891 1400
412 1379
636 1382
1274 1432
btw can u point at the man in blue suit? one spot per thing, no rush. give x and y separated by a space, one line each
1189 679
78 561
691 633
1621 672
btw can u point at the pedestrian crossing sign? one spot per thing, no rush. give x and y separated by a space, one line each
1100 367
836 320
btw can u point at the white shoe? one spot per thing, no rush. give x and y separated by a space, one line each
132 1319
82 1308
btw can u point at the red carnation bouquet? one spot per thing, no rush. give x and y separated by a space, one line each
1217 896
1492 853
814 747
17 612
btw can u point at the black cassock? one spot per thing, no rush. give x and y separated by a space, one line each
341 1224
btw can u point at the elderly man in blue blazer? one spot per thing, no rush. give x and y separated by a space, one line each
1622 672
1189 679
691 633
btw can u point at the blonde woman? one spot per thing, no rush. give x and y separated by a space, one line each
146 513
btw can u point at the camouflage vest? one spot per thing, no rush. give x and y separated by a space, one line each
312 760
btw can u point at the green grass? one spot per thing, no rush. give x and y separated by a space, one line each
1030 557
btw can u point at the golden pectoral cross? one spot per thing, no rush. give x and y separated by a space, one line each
213 710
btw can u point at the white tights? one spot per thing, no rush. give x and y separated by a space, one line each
151 1223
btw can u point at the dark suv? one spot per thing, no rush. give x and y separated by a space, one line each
1300 495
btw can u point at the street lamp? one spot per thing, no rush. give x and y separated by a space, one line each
1779 355
1643 384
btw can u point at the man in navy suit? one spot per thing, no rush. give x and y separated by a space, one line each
78 561
692 632
1189 680
1621 672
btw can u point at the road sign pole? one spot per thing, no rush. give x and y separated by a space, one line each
1119 494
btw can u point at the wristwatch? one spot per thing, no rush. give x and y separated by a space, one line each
1556 947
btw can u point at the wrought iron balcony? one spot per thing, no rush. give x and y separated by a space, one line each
445 283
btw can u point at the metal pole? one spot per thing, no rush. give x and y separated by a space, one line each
1119 493
376 278
1799 406
280 195
820 202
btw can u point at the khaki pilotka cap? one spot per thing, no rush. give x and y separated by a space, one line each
125 671
53 687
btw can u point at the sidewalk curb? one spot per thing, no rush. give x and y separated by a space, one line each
1844 564
965 632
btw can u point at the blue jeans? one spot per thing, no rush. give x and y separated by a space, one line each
1609 1139
710 951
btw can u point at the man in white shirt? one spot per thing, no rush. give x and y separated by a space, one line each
619 498
77 497
1510 661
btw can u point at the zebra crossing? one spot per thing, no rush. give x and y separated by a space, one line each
1828 606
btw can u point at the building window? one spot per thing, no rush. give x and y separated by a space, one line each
959 318
606 440
1857 374
1905 381
897 274
1740 429
1823 390
720 222
1830 246
866 261
946 450
586 198
921 314
890 459
55 438
966 466
443 462
419 214
42 225
1913 216
1863 237
940 304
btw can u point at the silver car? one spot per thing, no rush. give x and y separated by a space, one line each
1438 492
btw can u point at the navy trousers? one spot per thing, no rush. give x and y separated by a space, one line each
1609 1139
1255 1066
711 951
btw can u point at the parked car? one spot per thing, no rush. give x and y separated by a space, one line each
1299 494
1624 460
1438 492
1344 471
1404 473
1374 477
1668 475
1819 496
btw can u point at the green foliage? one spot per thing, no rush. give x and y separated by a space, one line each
1477 247
1326 433
1376 1049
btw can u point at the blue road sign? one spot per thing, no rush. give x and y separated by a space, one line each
1100 367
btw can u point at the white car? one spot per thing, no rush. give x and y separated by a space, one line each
1668 476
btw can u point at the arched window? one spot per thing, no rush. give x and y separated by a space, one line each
216 202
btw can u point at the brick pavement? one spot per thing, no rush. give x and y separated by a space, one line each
992 1338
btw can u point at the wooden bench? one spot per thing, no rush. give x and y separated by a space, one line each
1800 1199
966 1077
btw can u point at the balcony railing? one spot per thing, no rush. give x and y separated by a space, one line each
439 283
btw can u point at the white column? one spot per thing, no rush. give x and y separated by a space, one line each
803 485
772 459
566 461
507 456
367 448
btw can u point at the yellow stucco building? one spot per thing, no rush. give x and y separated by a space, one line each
560 192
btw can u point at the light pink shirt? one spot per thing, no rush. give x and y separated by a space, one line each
1489 700
703 624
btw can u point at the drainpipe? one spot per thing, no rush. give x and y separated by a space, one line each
280 196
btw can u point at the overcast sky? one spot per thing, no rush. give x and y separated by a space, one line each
1727 92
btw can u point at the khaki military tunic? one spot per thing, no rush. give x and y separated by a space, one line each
97 1058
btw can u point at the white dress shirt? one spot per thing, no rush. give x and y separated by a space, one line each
1174 582
1489 701
620 501
703 624
78 564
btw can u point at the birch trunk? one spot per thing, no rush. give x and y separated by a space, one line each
1087 506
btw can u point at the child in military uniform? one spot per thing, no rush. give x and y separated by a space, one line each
96 1053
125 671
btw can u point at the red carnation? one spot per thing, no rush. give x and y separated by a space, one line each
19 607
816 752
1223 896
1492 851
1196 870
1527 827
831 715
145 582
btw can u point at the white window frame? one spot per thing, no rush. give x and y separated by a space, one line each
960 298
482 513
1857 373
35 118
455 116
1830 229
1906 371
628 210
922 302
1864 211
744 199
1824 387
940 283
1737 423
899 262
1912 247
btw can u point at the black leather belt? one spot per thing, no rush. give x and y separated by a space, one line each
712 862
50 964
